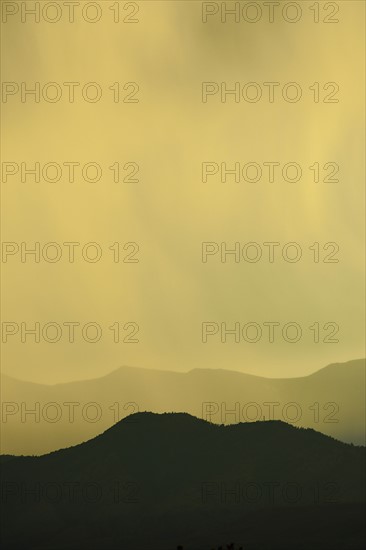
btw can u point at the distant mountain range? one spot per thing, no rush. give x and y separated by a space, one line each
331 401
153 482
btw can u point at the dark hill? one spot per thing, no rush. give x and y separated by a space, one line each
152 481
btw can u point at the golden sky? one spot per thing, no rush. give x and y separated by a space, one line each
169 212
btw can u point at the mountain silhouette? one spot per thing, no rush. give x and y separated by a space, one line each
156 481
331 401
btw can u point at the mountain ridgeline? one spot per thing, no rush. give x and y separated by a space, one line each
40 418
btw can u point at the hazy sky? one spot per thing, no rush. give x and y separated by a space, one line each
170 211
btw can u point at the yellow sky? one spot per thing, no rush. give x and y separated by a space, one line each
169 212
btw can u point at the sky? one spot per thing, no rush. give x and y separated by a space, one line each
154 230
